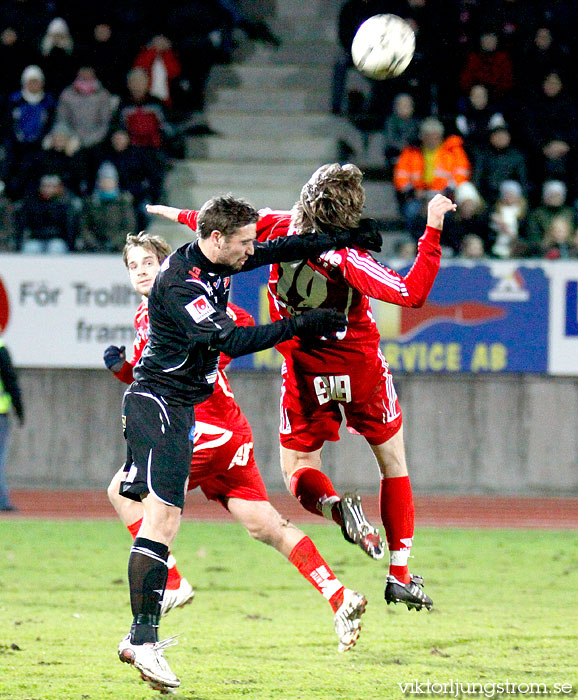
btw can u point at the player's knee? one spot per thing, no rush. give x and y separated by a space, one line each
260 530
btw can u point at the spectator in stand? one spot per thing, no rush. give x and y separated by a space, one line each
141 114
472 247
507 221
489 66
561 17
105 50
469 16
551 128
401 129
59 156
512 20
421 78
202 32
352 14
10 398
138 173
47 222
437 165
553 206
255 29
471 217
29 18
14 57
560 240
160 61
59 60
475 119
499 161
86 108
29 118
541 57
195 29
404 252
8 234
107 215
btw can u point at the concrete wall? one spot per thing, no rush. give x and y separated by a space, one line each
505 434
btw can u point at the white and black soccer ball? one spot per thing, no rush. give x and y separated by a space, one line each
383 47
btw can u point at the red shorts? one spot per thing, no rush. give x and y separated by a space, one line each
224 466
312 404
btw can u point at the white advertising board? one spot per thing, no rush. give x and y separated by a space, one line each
563 330
63 311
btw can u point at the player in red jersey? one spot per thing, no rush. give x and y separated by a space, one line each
223 464
349 373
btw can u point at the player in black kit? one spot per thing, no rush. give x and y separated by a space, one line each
189 327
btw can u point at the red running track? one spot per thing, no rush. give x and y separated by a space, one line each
431 511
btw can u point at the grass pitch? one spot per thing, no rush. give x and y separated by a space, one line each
505 611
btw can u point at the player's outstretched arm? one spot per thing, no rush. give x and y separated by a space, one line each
171 213
311 324
438 207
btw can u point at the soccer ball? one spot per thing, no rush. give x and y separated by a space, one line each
383 47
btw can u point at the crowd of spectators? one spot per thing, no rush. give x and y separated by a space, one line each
487 112
95 101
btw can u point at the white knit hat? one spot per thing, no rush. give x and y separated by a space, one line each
32 73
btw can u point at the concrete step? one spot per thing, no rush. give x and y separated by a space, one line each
266 76
270 100
288 28
175 234
380 200
282 149
231 174
263 125
307 52
274 196
304 12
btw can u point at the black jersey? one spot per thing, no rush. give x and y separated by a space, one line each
189 325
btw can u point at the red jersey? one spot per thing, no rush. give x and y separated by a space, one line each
220 409
343 280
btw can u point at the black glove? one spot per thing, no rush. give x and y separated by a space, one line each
317 322
366 235
114 358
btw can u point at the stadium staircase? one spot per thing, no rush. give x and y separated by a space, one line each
270 109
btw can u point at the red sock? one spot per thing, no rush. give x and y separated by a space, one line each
313 567
174 576
312 489
398 516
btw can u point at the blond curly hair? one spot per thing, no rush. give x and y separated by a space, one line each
333 196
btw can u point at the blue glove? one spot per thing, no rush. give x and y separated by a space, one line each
114 358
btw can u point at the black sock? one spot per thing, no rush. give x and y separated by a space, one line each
147 577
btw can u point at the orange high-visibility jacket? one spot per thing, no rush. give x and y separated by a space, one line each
451 167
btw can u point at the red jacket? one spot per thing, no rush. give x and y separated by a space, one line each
146 57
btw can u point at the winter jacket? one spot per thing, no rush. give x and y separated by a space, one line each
30 122
87 116
451 167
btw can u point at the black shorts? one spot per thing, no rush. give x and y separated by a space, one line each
159 450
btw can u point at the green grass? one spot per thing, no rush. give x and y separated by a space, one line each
505 610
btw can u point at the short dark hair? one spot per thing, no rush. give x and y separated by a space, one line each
155 244
226 214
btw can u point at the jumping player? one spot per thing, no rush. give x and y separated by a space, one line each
349 371
178 368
